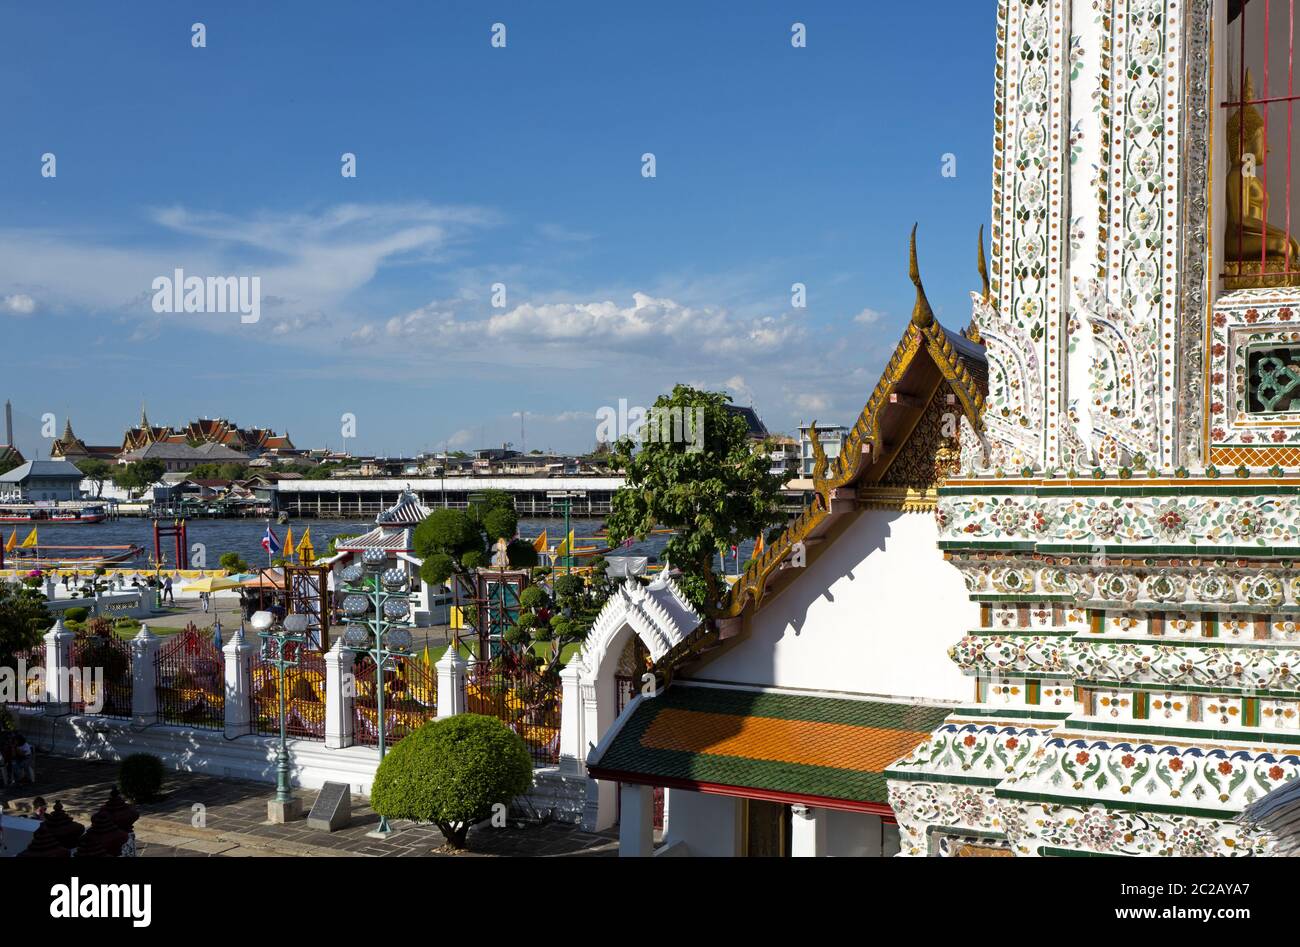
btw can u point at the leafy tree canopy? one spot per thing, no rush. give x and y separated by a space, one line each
23 619
709 485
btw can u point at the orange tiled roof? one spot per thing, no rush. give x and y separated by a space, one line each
794 744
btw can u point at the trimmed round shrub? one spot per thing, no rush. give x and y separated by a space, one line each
437 568
452 772
532 597
569 586
500 523
78 614
141 777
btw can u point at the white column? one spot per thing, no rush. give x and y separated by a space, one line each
807 833
239 656
573 749
58 683
450 669
340 692
636 825
144 678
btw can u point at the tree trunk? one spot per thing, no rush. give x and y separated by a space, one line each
454 833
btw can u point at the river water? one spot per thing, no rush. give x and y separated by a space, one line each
244 536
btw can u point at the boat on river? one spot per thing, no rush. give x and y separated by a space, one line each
49 556
15 513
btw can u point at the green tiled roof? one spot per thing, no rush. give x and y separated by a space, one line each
801 745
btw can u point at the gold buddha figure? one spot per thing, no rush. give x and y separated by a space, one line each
1248 236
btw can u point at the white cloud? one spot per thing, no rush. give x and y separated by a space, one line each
309 262
19 304
810 402
650 326
563 417
868 317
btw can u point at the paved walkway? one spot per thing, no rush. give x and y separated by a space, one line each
206 815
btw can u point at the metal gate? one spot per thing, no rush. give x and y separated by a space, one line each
191 681
102 663
410 699
304 697
524 700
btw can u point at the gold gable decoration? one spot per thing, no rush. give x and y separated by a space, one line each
834 480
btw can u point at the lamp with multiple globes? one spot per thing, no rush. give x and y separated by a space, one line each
376 611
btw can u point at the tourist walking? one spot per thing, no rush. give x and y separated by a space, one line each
22 760
203 600
167 591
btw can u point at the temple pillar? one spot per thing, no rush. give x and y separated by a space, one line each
636 826
807 832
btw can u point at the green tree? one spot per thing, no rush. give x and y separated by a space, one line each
232 562
454 773
23 619
710 486
96 471
139 474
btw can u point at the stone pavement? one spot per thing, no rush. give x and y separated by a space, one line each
205 815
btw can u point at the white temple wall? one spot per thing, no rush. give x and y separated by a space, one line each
709 825
873 614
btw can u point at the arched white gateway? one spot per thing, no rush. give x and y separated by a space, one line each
659 616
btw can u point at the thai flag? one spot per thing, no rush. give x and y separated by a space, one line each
270 543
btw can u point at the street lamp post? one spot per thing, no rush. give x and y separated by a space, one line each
282 646
567 496
376 606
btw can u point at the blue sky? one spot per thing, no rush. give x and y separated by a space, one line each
478 165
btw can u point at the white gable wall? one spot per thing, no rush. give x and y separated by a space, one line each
874 614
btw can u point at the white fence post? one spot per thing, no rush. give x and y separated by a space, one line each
573 750
144 678
238 654
451 668
58 682
340 693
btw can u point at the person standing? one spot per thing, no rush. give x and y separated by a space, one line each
167 591
203 600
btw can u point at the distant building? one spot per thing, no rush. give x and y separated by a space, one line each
70 447
250 442
44 480
832 439
783 455
757 429
177 457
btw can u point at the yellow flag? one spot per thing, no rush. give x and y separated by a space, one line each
31 540
288 542
758 545
563 549
13 541
539 543
306 552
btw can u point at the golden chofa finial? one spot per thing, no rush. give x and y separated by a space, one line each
983 265
922 314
